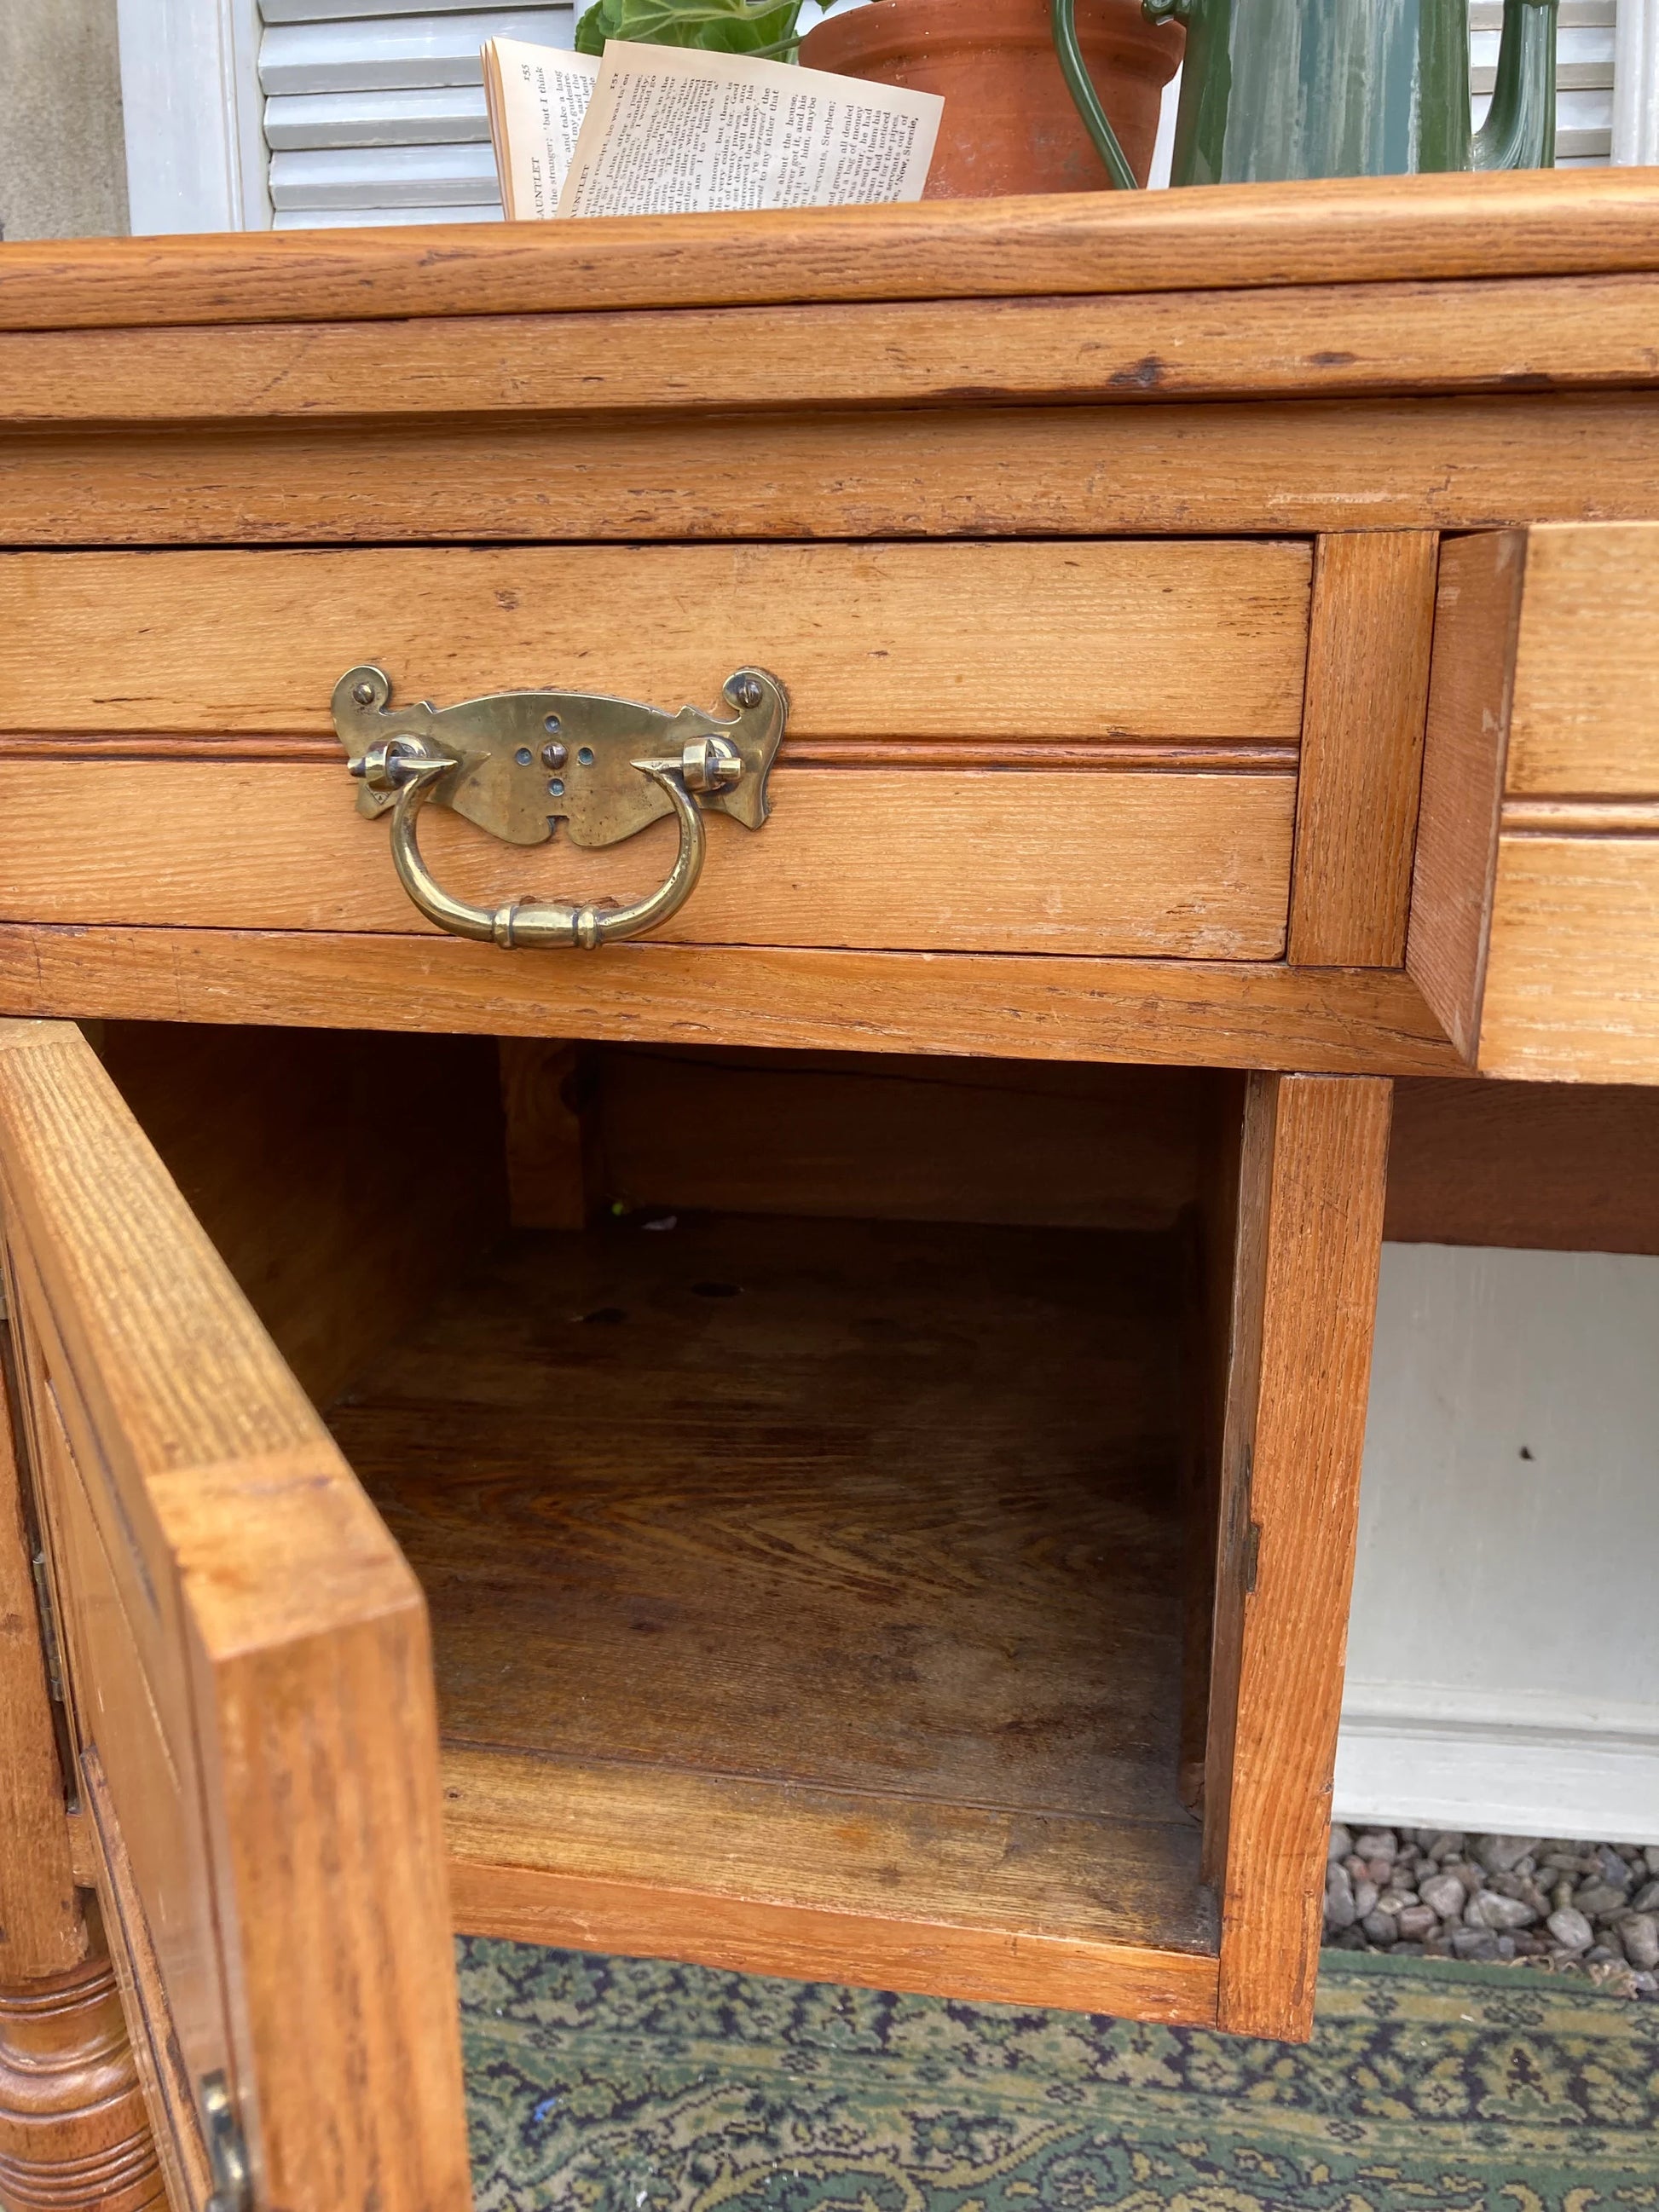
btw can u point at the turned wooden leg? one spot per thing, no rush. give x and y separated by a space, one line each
73 2130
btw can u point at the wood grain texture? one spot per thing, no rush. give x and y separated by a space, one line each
1237 1227
852 1134
1208 1234
1465 747
496 1894
1585 718
1344 231
1020 641
1170 1012
1560 1167
1189 866
550 1106
332 1242
820 1564
260 1597
1598 818
1217 467
129 1698
169 2093
1573 974
1361 747
1310 1225
1328 341
73 2134
41 1929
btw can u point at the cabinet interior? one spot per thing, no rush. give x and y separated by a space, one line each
810 1461
803 1457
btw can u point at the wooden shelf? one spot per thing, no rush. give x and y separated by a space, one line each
791 1568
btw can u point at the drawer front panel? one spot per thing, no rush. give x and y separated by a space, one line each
1195 865
1584 719
969 641
1085 749
1572 967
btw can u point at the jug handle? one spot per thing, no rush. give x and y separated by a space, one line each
1063 18
1519 131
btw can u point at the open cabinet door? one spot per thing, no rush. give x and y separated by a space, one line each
248 1683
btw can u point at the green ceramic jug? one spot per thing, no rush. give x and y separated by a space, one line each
1283 88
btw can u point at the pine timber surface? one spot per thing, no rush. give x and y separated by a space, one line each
1177 468
174 2123
853 1134
1019 642
1584 719
1331 341
1187 866
42 1931
1174 1013
1314 1163
1361 747
247 1654
1572 969
830 1565
1465 744
1560 1167
1346 231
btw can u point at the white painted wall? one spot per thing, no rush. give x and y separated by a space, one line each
1504 1648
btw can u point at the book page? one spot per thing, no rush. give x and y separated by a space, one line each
536 97
682 131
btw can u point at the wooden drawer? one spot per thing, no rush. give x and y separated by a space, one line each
840 1562
1534 932
1072 748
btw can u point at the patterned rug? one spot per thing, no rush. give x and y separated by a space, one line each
617 2085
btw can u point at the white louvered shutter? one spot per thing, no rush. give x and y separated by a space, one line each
374 112
1583 75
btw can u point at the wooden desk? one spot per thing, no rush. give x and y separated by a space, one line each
1222 678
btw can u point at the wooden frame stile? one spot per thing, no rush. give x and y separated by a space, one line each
1309 1224
1371 629
251 1708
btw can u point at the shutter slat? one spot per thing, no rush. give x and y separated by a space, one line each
370 177
451 114
399 53
353 219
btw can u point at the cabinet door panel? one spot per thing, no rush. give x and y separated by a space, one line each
249 1678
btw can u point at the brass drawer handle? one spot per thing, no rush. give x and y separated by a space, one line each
519 763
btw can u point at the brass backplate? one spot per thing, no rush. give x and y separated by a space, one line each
524 761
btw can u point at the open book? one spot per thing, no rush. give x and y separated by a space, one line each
682 131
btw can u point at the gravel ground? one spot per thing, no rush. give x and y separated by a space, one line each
1590 1909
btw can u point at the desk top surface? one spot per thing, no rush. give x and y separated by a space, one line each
1346 231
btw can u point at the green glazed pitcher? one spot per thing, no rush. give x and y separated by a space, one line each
1285 89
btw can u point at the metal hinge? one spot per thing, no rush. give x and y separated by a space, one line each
51 1647
226 2148
1250 1541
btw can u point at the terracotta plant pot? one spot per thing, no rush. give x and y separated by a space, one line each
1009 123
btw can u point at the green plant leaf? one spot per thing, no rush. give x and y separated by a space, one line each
731 27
